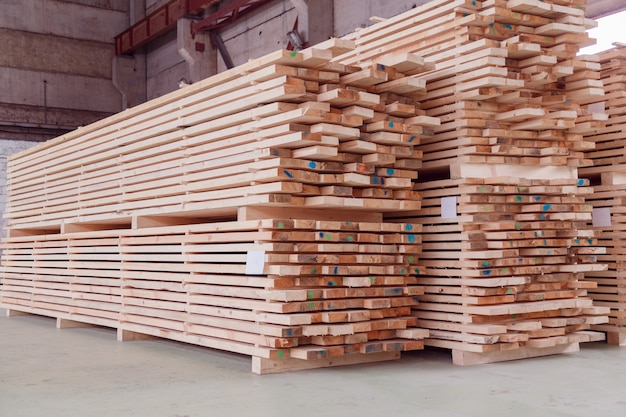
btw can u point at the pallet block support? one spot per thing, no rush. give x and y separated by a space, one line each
130 336
71 324
463 358
615 336
264 366
15 313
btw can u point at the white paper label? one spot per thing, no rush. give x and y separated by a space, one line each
596 108
448 207
601 217
255 262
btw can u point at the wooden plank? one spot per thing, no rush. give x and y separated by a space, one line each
263 366
464 358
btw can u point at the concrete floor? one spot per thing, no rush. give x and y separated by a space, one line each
86 372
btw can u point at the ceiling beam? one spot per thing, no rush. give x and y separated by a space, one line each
601 8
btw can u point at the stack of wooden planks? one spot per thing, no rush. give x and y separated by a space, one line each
504 217
275 210
605 126
244 213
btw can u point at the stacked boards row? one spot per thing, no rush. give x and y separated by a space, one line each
608 174
290 293
502 264
506 83
506 239
280 135
244 213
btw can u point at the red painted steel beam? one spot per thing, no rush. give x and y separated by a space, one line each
157 23
227 15
198 6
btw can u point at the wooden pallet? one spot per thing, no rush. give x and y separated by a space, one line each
502 265
273 147
505 239
322 289
242 213
604 123
607 222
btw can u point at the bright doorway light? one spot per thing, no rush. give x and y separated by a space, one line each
610 29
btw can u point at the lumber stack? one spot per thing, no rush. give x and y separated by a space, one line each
504 217
608 174
244 213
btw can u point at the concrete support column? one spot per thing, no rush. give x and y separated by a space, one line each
315 23
129 72
136 11
196 51
129 78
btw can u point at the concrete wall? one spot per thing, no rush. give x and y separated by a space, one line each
352 14
259 33
56 61
165 66
7 148
264 31
55 69
152 5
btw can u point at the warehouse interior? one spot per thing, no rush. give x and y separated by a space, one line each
70 64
